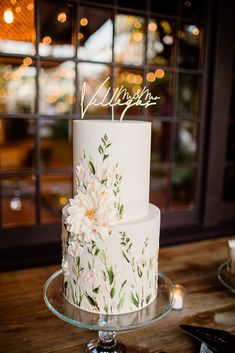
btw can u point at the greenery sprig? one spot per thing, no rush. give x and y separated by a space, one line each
105 144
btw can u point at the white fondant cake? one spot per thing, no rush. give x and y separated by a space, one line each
110 236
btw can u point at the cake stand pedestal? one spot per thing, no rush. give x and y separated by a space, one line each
107 325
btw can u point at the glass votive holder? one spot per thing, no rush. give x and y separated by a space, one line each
231 256
179 296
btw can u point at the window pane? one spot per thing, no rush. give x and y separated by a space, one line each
56 24
94 75
168 7
132 80
190 41
129 40
188 100
56 191
182 188
229 184
194 9
161 140
160 42
17 139
95 34
132 4
160 84
17 81
56 149
159 187
56 87
185 148
18 201
231 143
17 34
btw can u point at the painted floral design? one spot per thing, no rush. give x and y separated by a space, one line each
108 290
91 277
65 267
96 207
75 249
141 268
92 216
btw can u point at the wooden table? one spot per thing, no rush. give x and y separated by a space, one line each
27 326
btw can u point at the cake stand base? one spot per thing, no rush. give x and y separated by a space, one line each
107 343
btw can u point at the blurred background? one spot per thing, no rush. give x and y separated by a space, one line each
182 50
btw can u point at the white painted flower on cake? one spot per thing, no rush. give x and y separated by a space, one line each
91 277
96 206
74 249
83 176
65 267
91 213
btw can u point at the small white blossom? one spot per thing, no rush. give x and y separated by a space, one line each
76 275
65 267
74 249
91 277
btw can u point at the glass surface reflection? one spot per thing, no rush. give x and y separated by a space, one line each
56 149
190 40
188 97
132 80
182 188
17 138
56 87
186 143
159 187
56 25
129 39
18 201
160 42
17 79
161 140
95 34
160 84
17 34
94 75
55 193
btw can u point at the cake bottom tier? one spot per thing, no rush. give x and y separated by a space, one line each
116 275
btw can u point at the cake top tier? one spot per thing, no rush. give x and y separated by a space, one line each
111 162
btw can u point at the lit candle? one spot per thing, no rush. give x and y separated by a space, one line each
231 256
179 293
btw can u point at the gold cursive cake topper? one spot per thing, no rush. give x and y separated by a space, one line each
120 97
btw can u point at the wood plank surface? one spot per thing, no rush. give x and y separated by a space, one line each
27 326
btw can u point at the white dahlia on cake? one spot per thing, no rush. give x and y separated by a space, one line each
91 213
95 208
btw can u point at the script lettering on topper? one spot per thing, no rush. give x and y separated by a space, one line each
120 97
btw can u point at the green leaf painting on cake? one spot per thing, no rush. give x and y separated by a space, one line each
96 206
107 290
141 268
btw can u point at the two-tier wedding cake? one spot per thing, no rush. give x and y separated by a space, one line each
110 234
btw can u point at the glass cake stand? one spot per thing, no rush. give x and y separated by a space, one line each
107 325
